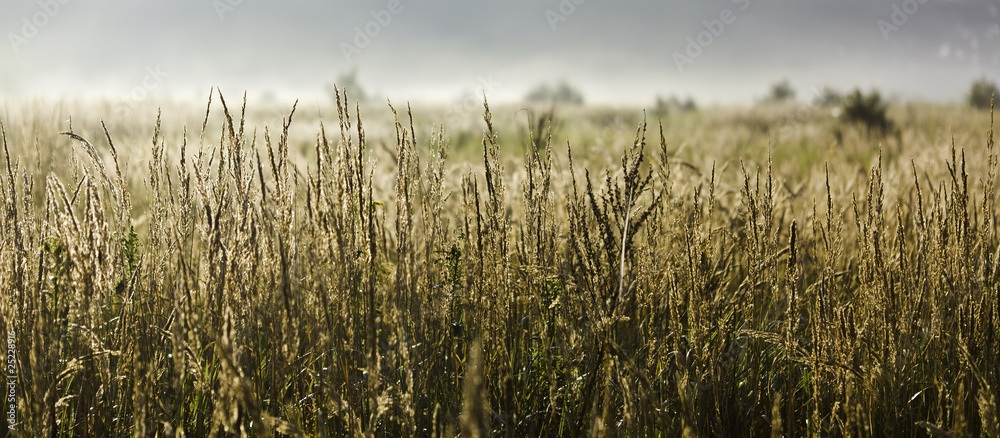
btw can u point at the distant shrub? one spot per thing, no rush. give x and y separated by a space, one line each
869 110
781 92
666 105
828 97
562 93
981 93
348 82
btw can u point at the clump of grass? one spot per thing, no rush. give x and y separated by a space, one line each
258 287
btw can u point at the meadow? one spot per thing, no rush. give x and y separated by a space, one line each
369 270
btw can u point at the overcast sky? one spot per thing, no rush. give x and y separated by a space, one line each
628 52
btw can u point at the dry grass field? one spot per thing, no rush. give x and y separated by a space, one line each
366 271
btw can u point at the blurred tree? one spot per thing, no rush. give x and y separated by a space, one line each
828 97
780 92
869 110
981 93
349 81
666 105
562 93
689 105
